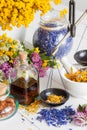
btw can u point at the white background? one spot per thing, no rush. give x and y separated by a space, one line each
80 4
15 123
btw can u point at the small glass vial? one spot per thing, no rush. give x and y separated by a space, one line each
24 81
51 31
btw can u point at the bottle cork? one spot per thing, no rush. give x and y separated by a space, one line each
23 57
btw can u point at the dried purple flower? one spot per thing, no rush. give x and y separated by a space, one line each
42 71
56 117
35 57
6 68
86 109
80 117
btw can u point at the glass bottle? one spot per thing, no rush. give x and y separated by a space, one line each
24 81
51 31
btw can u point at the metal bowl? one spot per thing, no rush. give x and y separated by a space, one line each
81 57
55 91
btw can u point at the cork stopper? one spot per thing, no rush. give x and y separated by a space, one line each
23 57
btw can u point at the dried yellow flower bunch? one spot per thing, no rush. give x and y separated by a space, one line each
21 12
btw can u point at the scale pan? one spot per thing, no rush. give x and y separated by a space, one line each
54 91
81 57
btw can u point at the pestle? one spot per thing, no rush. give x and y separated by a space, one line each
67 66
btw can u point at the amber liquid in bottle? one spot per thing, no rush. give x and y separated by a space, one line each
25 91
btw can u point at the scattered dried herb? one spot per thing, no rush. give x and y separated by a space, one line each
33 107
54 98
56 117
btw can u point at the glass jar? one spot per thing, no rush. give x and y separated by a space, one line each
4 91
8 105
51 31
24 83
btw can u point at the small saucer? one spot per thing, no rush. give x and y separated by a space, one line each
55 91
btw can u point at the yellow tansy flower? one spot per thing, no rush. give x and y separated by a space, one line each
13 46
1 54
45 63
61 14
11 61
22 12
2 44
65 11
57 1
4 36
57 66
37 50
5 82
10 40
0 37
